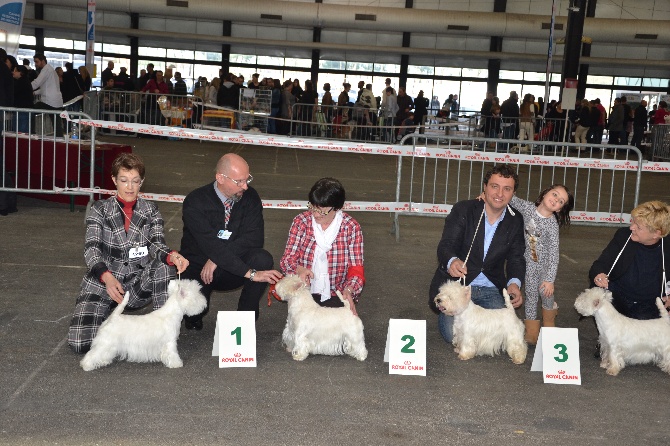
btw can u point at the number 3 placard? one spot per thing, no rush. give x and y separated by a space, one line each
557 356
235 339
406 347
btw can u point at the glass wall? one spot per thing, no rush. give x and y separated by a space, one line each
437 82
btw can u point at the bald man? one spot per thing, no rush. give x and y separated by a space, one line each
223 238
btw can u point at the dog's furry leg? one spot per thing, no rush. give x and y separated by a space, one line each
616 362
170 356
517 350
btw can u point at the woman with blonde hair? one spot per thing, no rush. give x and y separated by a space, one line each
83 71
632 266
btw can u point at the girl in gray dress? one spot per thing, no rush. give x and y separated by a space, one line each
542 219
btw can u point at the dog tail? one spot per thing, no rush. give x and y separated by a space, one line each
120 307
508 303
662 310
344 301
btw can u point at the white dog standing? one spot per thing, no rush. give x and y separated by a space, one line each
624 340
480 331
147 338
313 329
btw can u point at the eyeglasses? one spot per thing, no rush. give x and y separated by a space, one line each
318 211
136 182
239 183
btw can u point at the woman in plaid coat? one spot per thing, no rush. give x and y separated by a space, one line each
325 247
124 251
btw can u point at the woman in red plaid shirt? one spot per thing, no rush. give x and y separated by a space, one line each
325 247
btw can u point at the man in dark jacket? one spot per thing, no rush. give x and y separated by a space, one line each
639 124
509 110
489 235
229 93
223 238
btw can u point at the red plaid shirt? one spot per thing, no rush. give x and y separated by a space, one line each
347 250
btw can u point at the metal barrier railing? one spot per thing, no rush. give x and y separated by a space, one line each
143 108
41 151
661 142
458 173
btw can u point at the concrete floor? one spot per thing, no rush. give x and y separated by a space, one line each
45 397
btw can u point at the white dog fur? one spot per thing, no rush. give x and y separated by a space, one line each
624 340
313 329
146 338
479 331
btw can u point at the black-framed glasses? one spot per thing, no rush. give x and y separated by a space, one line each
239 183
318 211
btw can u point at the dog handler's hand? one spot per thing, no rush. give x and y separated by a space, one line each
207 273
602 281
516 299
346 293
114 288
306 275
270 276
457 268
180 262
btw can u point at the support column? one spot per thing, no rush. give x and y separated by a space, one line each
39 32
134 46
586 52
404 58
495 47
316 55
573 40
225 48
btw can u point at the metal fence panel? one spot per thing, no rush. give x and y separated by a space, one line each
458 173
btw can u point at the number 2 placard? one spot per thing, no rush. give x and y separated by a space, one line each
406 347
557 356
235 339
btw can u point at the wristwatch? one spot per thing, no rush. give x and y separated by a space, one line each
252 274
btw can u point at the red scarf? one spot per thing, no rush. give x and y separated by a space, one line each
127 208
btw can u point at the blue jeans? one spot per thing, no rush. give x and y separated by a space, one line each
485 297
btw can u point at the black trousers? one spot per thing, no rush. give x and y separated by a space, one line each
252 292
58 125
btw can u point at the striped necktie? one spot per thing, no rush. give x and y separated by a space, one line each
228 204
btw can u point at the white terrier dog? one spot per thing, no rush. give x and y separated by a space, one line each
313 329
624 340
147 338
479 331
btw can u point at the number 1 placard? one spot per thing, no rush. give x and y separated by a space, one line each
406 347
235 339
557 356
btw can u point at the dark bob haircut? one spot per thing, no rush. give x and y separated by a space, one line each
327 193
128 161
505 171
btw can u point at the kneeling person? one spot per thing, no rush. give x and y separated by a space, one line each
125 251
223 237
488 235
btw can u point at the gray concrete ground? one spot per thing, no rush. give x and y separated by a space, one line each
45 397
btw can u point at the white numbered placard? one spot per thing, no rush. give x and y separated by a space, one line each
406 347
557 356
235 339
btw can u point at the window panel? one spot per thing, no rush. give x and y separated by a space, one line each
151 51
421 69
447 71
181 54
386 68
58 43
242 58
297 62
211 56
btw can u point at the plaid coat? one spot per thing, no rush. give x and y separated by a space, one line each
107 245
